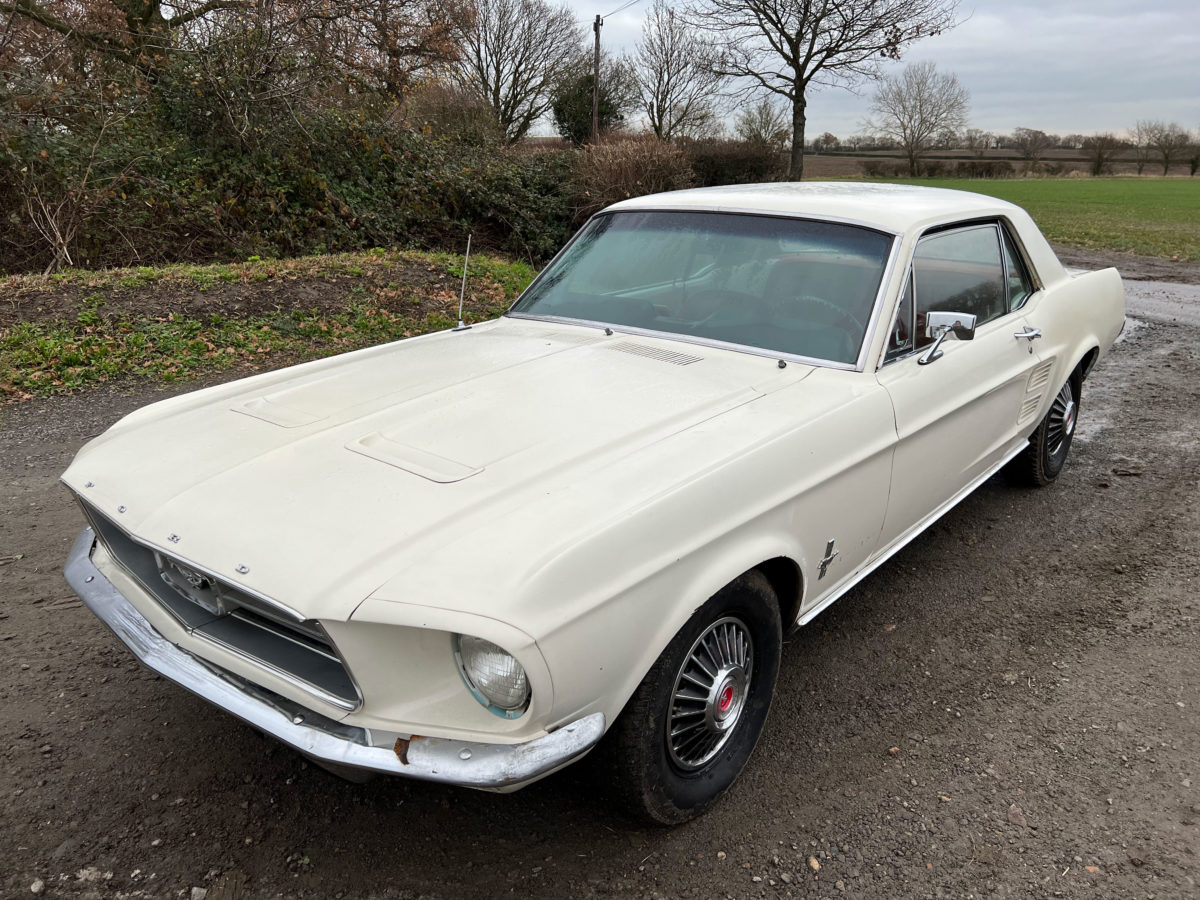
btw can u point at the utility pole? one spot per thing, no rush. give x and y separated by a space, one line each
596 83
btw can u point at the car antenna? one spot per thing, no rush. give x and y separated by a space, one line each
463 293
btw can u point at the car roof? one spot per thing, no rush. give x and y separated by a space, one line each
896 208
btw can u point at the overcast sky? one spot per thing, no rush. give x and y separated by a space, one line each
1064 66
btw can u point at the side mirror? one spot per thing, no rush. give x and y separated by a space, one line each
941 325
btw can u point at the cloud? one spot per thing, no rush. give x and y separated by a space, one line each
1060 65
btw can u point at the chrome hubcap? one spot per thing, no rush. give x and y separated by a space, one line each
710 693
1061 423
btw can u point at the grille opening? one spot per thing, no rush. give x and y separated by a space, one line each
298 650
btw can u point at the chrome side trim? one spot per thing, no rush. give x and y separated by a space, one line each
905 539
463 763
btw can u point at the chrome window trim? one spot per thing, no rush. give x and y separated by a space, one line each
689 339
1035 283
872 322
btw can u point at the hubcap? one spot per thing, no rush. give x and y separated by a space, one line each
1061 422
710 693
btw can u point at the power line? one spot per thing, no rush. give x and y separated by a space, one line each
621 8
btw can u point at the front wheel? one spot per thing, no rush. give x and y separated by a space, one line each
694 720
1046 454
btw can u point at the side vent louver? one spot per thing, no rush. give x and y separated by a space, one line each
667 356
1035 390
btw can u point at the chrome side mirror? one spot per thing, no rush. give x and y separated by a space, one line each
941 325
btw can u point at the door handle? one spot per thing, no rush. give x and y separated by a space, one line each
1030 334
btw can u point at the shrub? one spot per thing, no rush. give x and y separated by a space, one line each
882 168
984 168
335 180
717 162
606 173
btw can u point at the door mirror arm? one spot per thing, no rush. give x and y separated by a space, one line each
941 325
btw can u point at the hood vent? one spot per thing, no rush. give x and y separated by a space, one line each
667 356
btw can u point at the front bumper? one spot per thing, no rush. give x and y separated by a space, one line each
464 763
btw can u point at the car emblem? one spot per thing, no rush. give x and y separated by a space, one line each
195 579
830 555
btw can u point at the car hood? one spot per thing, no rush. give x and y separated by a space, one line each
315 485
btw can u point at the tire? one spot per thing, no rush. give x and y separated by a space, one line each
1049 445
669 779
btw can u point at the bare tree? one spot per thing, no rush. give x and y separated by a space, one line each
786 47
1171 142
386 46
978 141
675 75
1032 144
1101 150
763 125
134 32
515 54
826 142
916 107
1139 139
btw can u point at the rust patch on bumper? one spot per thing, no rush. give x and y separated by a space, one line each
401 749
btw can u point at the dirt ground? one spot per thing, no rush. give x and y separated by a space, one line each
1009 708
393 281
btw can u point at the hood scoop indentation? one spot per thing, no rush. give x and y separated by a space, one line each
267 410
668 356
412 459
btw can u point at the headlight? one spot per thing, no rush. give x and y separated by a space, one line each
494 676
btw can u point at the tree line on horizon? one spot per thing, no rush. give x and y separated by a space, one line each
148 130
920 110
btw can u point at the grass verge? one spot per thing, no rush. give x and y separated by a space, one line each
85 328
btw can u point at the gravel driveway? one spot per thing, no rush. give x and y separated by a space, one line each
1009 708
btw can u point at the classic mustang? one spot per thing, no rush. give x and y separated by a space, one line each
469 556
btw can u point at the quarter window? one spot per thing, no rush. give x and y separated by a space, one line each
1020 285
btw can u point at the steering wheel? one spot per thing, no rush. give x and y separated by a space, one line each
841 315
717 299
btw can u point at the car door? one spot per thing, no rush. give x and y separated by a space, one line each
957 415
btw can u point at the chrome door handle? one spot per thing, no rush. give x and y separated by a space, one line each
1030 334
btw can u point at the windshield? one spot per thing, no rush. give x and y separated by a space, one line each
784 285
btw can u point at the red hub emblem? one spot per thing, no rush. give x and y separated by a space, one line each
726 699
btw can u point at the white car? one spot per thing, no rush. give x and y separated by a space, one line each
469 556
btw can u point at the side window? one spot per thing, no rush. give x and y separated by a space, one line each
1020 285
959 271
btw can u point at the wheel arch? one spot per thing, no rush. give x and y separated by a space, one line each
1087 363
787 582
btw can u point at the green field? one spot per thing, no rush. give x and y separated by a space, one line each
1150 216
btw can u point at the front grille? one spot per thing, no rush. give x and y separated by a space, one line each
249 626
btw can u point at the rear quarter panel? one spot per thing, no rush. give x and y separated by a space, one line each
1077 314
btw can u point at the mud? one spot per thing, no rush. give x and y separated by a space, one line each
1009 708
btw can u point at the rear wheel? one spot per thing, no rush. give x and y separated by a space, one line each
1049 445
693 722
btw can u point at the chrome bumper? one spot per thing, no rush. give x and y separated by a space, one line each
465 763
